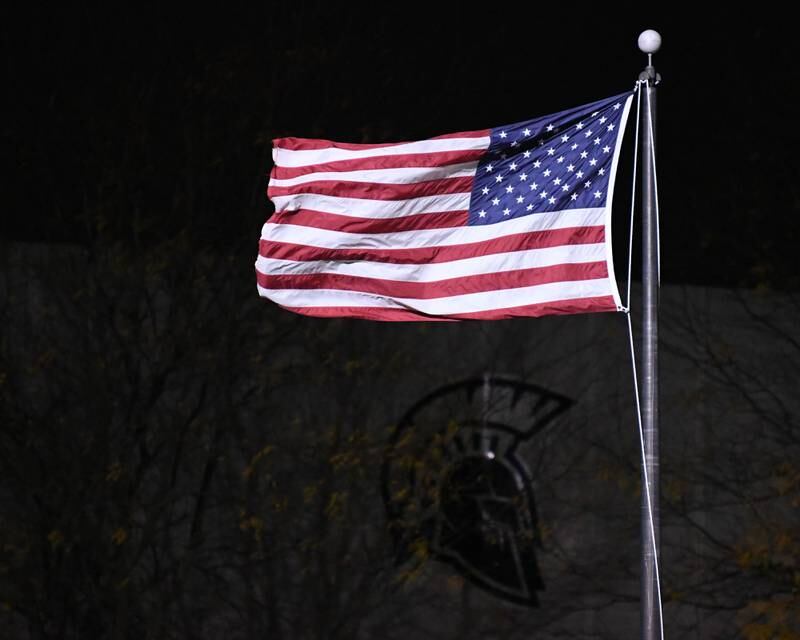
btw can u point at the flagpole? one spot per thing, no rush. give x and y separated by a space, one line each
649 43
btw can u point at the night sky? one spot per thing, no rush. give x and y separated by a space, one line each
164 119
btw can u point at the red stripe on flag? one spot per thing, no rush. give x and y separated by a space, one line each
439 288
351 224
377 190
556 307
479 133
309 144
419 160
553 307
515 242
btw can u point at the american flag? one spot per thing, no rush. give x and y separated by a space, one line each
498 223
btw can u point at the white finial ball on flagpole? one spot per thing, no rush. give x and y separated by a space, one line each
649 41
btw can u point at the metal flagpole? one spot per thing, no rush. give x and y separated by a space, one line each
649 43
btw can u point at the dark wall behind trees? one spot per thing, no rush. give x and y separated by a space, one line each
181 460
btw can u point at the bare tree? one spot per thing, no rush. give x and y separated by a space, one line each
732 490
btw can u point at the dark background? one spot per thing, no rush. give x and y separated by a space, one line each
173 448
164 118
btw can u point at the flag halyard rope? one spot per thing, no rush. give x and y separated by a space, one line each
646 487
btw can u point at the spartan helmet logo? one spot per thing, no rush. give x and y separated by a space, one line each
455 488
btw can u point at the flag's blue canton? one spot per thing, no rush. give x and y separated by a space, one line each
560 161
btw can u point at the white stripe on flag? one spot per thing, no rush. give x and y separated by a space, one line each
363 208
404 175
